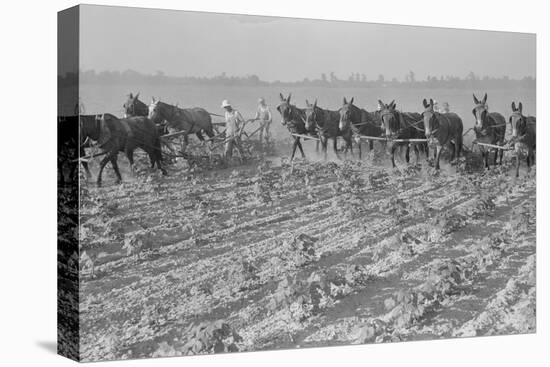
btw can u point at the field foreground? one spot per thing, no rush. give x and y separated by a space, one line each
262 257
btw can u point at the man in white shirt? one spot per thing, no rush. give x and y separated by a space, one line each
234 123
263 114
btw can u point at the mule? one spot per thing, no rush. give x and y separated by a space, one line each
403 125
84 141
195 120
489 128
350 117
524 135
68 149
134 107
116 135
294 119
443 128
371 125
324 123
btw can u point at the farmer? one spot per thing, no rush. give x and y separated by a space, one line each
263 114
234 124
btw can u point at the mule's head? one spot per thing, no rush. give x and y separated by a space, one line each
346 114
311 115
285 109
430 120
480 111
89 127
131 105
517 120
155 111
387 115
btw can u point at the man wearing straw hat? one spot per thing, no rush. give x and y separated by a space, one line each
263 114
234 125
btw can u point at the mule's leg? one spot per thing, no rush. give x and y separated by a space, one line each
301 149
158 160
438 149
114 163
393 149
324 146
518 159
426 150
416 153
452 147
530 159
407 153
486 158
501 152
335 146
102 165
129 151
294 148
360 149
459 147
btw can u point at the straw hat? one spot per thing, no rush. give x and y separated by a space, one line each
261 100
226 103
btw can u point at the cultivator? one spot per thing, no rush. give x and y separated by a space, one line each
210 152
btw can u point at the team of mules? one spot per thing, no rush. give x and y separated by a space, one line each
391 127
114 135
441 130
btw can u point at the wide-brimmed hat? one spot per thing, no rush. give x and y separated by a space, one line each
226 103
261 100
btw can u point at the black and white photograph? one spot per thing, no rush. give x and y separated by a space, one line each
240 183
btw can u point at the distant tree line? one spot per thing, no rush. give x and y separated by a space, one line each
471 80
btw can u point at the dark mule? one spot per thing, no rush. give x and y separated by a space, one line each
371 125
403 125
67 149
351 117
294 119
193 120
122 135
68 125
490 128
444 128
85 141
325 123
524 135
134 107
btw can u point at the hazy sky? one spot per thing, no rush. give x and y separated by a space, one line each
204 44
